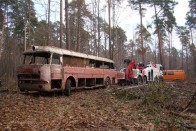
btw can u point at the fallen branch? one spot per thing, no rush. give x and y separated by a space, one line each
181 115
181 89
130 87
186 125
190 126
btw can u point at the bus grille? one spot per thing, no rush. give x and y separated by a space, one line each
28 76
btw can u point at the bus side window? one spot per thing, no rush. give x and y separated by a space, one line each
56 59
92 63
104 66
164 73
112 66
170 73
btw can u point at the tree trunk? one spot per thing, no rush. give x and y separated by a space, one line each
159 38
48 38
78 30
187 59
105 39
67 25
75 30
141 31
169 34
24 40
3 31
171 62
61 23
2 39
110 46
131 50
155 52
98 46
193 50
29 30
114 32
132 45
182 58
95 50
194 56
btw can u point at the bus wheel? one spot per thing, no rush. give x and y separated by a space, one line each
107 82
139 80
67 90
145 80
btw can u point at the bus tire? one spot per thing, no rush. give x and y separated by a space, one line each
107 82
67 90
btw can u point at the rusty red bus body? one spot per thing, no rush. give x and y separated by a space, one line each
49 69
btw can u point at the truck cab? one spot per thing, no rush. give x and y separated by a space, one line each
152 72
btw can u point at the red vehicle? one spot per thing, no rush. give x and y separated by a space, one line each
51 69
132 73
139 74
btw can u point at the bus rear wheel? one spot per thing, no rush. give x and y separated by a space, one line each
67 90
107 82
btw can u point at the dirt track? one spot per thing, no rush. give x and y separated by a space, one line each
97 109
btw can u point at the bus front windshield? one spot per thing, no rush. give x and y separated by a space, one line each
37 58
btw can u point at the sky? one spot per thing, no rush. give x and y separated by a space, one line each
129 19
126 18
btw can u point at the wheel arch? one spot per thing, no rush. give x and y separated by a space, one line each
73 82
107 79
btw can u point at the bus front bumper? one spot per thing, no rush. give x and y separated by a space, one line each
32 86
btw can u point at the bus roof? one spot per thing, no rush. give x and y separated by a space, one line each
60 51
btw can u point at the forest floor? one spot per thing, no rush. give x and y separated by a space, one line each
162 106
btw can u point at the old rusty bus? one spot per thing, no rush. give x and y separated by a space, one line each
49 69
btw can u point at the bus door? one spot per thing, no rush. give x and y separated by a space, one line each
57 70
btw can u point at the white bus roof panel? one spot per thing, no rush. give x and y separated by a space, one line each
60 51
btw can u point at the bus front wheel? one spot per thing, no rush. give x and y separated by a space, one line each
67 90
